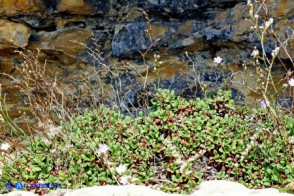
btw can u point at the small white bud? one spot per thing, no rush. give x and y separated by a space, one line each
268 23
275 52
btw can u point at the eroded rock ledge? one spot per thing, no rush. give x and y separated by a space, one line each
208 188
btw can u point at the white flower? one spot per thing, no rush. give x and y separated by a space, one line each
268 23
40 124
125 180
242 158
291 82
111 169
255 53
53 130
291 140
250 5
103 148
1 118
218 60
67 147
109 163
156 56
264 103
46 141
52 151
285 85
121 169
5 146
275 52
251 12
183 167
191 159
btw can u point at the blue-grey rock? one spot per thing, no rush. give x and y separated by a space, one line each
99 6
174 6
130 39
207 76
51 4
286 102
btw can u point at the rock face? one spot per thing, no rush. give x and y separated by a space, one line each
208 188
19 7
120 26
203 28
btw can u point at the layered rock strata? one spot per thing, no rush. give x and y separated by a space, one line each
63 31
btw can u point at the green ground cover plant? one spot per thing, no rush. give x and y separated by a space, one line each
167 148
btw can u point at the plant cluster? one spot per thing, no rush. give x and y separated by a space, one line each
179 144
263 26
